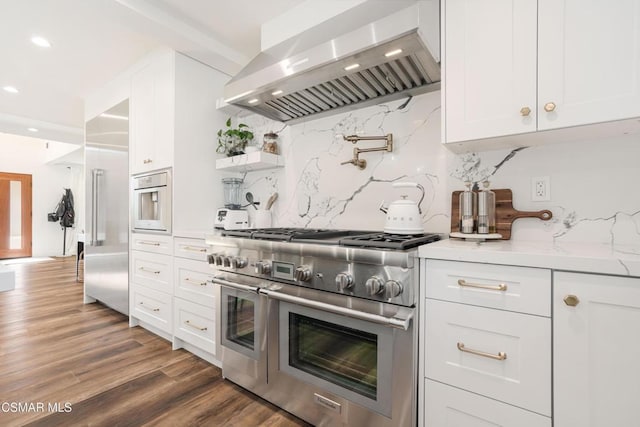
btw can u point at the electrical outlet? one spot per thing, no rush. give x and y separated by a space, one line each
540 189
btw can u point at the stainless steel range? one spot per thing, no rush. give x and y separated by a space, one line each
321 322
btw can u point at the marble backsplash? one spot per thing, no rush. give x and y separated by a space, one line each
593 193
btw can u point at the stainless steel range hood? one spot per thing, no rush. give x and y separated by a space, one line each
315 73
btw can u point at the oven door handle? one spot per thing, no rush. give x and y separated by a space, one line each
393 322
234 285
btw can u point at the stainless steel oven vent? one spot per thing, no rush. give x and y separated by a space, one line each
302 78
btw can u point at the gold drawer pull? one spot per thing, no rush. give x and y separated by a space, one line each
147 161
549 107
194 249
142 242
500 356
196 282
200 328
501 287
152 309
149 270
525 111
571 300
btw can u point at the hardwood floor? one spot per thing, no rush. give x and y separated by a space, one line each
64 363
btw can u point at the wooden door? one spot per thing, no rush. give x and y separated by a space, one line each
15 215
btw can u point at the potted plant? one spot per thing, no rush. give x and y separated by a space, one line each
232 141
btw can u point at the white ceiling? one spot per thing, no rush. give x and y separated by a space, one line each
94 40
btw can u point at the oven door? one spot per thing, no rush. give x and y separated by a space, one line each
340 364
243 332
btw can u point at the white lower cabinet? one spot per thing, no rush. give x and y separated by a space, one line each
596 350
152 307
486 345
447 406
195 324
196 300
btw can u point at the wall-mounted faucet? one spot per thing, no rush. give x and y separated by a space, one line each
361 163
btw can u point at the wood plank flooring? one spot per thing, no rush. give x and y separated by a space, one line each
63 363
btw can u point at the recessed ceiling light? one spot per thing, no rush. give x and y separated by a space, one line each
277 92
253 101
351 67
32 129
393 52
40 41
10 89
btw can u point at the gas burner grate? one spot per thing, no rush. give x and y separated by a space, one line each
286 234
389 241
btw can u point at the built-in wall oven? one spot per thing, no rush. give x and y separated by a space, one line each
324 331
151 202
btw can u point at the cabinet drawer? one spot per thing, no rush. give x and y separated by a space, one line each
521 289
195 324
192 281
455 331
151 243
447 406
152 270
195 249
153 307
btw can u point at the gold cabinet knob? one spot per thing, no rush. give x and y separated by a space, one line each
549 107
571 300
525 111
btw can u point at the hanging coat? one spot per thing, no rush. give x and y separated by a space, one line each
65 210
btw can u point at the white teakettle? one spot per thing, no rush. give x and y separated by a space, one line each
404 216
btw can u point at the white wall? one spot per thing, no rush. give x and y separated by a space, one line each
29 156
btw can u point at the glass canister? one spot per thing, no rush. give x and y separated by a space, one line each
270 143
486 210
232 192
468 209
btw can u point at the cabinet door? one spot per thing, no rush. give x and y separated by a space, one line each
489 68
596 348
447 406
152 123
588 61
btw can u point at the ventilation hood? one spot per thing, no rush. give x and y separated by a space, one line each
339 65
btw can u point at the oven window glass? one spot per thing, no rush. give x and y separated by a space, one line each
343 356
240 321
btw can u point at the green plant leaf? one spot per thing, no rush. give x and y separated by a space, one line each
229 122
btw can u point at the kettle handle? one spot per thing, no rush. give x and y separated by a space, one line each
405 184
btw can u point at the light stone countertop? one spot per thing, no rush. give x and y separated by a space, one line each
583 257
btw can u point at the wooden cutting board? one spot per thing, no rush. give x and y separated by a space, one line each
505 213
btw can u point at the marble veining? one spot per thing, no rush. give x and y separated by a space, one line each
592 196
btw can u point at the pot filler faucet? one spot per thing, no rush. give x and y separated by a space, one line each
361 163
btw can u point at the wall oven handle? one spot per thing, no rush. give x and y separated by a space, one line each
233 285
368 317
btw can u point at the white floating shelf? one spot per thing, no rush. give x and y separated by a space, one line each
254 161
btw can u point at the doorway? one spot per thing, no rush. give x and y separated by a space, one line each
15 215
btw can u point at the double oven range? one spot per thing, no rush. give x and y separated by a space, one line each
322 322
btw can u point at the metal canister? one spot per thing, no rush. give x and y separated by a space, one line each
468 209
486 210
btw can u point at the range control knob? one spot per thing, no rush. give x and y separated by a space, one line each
374 285
226 261
263 267
344 281
302 274
392 289
211 259
218 259
238 262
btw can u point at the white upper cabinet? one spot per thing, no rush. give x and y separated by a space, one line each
489 67
152 114
520 66
588 61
